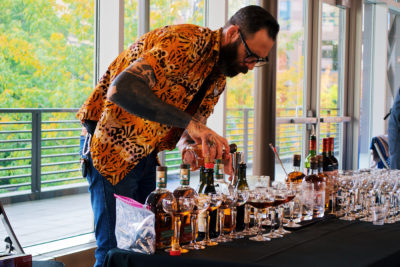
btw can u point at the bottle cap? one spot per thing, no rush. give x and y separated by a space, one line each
209 165
232 148
185 166
161 168
175 252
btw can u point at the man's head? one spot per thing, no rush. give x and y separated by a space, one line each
247 38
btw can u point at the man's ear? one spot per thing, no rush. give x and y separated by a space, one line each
231 33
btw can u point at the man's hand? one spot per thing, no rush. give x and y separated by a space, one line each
212 143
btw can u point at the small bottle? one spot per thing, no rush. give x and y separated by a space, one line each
312 151
163 221
241 185
296 176
184 190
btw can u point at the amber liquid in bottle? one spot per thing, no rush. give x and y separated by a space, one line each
184 190
241 185
296 176
163 221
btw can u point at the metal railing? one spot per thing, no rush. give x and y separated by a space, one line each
39 154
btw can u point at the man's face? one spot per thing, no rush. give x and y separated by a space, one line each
233 55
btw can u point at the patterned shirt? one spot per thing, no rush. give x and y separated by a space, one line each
182 57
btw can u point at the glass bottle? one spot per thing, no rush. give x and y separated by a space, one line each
295 176
163 221
312 151
331 154
209 188
202 181
241 185
326 160
184 190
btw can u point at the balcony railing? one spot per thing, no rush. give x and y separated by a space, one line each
39 149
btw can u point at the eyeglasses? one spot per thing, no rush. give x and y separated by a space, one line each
252 57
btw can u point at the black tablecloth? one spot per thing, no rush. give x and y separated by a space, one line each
329 242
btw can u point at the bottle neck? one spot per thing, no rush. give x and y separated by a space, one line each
313 146
184 178
209 176
219 172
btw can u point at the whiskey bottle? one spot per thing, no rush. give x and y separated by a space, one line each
163 221
184 190
296 176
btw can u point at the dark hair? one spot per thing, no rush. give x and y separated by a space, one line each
251 19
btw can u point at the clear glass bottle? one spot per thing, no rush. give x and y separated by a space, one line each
241 185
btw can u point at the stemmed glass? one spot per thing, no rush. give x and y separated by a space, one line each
215 202
279 199
177 207
242 197
228 201
291 194
202 202
260 200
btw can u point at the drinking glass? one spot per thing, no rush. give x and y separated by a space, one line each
285 194
202 202
177 207
291 195
307 200
242 197
260 199
279 199
215 202
228 202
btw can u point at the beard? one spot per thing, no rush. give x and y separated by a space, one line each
228 60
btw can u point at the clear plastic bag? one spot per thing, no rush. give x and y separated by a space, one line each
134 227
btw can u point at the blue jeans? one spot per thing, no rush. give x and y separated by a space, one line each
137 184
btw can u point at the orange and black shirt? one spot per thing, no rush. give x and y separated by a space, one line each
183 58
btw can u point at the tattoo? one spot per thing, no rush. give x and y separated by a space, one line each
143 71
133 93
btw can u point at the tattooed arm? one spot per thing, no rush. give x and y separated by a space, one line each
131 91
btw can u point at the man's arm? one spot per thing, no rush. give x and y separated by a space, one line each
131 91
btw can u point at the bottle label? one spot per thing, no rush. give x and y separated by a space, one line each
313 145
161 179
185 177
166 234
219 171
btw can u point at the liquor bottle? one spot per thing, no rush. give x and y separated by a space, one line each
327 165
163 221
312 151
241 185
184 190
319 188
296 176
202 181
209 188
331 154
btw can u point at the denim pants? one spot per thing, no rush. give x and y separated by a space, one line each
137 184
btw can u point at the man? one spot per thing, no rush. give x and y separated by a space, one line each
161 90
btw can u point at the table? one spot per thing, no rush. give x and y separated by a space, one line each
329 242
